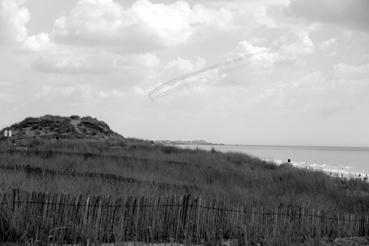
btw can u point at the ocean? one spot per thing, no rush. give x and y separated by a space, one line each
343 160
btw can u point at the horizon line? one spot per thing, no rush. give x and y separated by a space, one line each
273 145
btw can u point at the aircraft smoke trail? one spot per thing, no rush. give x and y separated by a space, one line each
165 88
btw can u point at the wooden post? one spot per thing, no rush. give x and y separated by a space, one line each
14 197
184 215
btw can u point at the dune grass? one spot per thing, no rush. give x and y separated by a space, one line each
159 170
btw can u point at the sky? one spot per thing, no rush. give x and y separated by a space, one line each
303 78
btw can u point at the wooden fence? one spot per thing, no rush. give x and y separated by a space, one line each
49 217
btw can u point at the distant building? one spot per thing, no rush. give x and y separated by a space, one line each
7 133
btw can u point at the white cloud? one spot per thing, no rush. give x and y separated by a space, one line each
182 66
313 94
328 44
185 76
129 62
13 20
259 64
143 26
37 42
351 71
179 68
258 55
301 45
286 48
102 56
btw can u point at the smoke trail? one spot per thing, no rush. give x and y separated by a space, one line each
165 88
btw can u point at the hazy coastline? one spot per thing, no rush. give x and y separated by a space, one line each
343 161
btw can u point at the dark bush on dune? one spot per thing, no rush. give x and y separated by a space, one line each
50 126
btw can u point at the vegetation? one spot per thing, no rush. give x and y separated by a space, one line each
58 218
121 167
50 126
83 156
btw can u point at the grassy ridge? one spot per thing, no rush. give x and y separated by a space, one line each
156 170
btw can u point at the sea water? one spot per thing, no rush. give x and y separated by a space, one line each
343 160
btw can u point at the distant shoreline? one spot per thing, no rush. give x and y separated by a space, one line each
183 142
302 164
342 148
304 146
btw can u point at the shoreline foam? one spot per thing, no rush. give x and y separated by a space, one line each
342 171
321 167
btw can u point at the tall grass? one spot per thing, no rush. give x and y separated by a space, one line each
237 178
